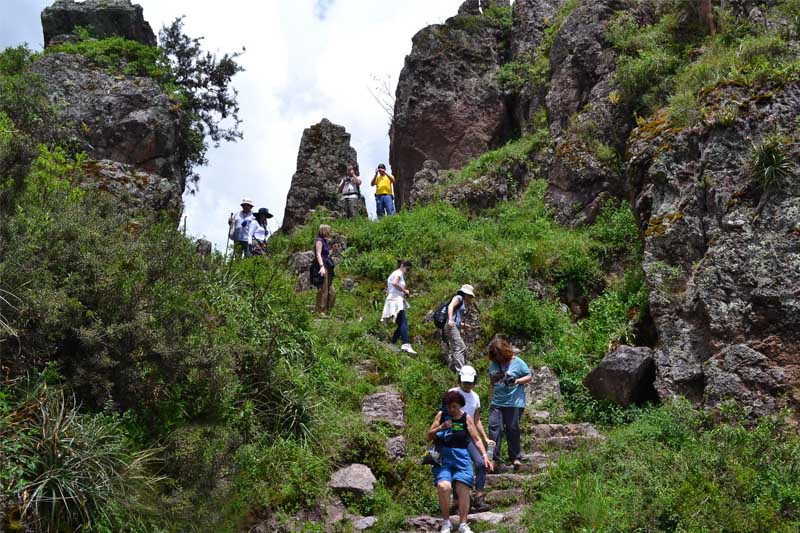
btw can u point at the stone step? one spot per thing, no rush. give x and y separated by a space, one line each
431 524
505 496
532 463
566 443
498 481
543 431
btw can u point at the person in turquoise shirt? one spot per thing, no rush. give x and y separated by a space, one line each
508 375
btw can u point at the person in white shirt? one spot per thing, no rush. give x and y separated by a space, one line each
472 406
259 232
397 304
239 229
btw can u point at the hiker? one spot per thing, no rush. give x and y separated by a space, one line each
396 305
326 296
472 406
259 232
350 189
239 229
456 349
384 194
508 375
453 429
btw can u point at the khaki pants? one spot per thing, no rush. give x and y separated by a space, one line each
456 349
326 296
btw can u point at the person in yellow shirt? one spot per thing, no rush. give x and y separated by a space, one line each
384 195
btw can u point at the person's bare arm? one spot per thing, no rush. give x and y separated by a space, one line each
479 425
374 180
438 425
524 379
473 433
341 185
451 309
357 179
320 262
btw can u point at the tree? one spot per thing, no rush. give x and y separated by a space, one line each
210 102
706 11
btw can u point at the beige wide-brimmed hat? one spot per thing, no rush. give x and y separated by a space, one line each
467 289
247 201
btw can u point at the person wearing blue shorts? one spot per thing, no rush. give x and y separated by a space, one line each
453 429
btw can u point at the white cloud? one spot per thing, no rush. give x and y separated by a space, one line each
305 60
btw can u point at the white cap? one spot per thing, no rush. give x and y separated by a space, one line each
247 201
467 289
467 374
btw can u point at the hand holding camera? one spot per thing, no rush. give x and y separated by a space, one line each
509 380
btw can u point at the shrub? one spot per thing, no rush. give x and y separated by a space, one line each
770 165
519 312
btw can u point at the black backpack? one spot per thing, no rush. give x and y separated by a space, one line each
440 315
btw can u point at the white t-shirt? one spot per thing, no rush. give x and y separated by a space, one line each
258 232
391 289
241 225
471 400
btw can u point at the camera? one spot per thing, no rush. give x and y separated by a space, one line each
509 380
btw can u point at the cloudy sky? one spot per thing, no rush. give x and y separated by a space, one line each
305 60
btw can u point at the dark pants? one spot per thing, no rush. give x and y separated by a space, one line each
480 468
402 327
384 204
241 248
505 418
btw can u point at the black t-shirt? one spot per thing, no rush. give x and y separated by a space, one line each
459 437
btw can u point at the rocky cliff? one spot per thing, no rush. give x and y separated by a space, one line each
324 154
128 124
720 250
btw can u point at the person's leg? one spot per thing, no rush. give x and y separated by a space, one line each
496 430
331 300
397 332
444 489
390 205
514 433
246 248
380 208
480 468
322 295
457 350
462 491
403 326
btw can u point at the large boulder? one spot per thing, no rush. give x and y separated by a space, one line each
119 118
136 190
385 406
722 256
322 160
624 376
103 18
356 478
448 105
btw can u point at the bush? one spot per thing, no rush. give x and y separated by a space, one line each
674 470
519 312
770 165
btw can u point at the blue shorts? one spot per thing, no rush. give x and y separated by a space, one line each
456 466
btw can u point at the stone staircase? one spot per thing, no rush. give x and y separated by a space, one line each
509 490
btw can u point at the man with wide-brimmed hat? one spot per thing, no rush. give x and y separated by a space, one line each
239 229
259 232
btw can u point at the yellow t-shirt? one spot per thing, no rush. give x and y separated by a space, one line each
383 184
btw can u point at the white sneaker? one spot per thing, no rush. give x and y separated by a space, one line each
408 349
446 527
464 528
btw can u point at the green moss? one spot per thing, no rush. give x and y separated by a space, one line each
121 56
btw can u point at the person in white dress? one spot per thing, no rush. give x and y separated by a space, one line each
396 306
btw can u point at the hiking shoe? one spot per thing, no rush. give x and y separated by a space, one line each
478 505
446 527
408 349
464 528
517 464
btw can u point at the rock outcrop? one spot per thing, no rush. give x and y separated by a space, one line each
624 376
324 154
103 18
448 105
356 478
120 118
722 256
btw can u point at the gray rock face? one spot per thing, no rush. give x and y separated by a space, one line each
123 119
544 392
396 447
324 154
385 406
722 261
301 262
589 126
137 190
104 18
355 478
624 376
448 105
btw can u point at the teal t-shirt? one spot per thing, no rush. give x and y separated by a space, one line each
505 396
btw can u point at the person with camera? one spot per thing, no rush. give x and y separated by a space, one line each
472 406
453 429
508 375
384 193
456 348
350 189
259 232
239 229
